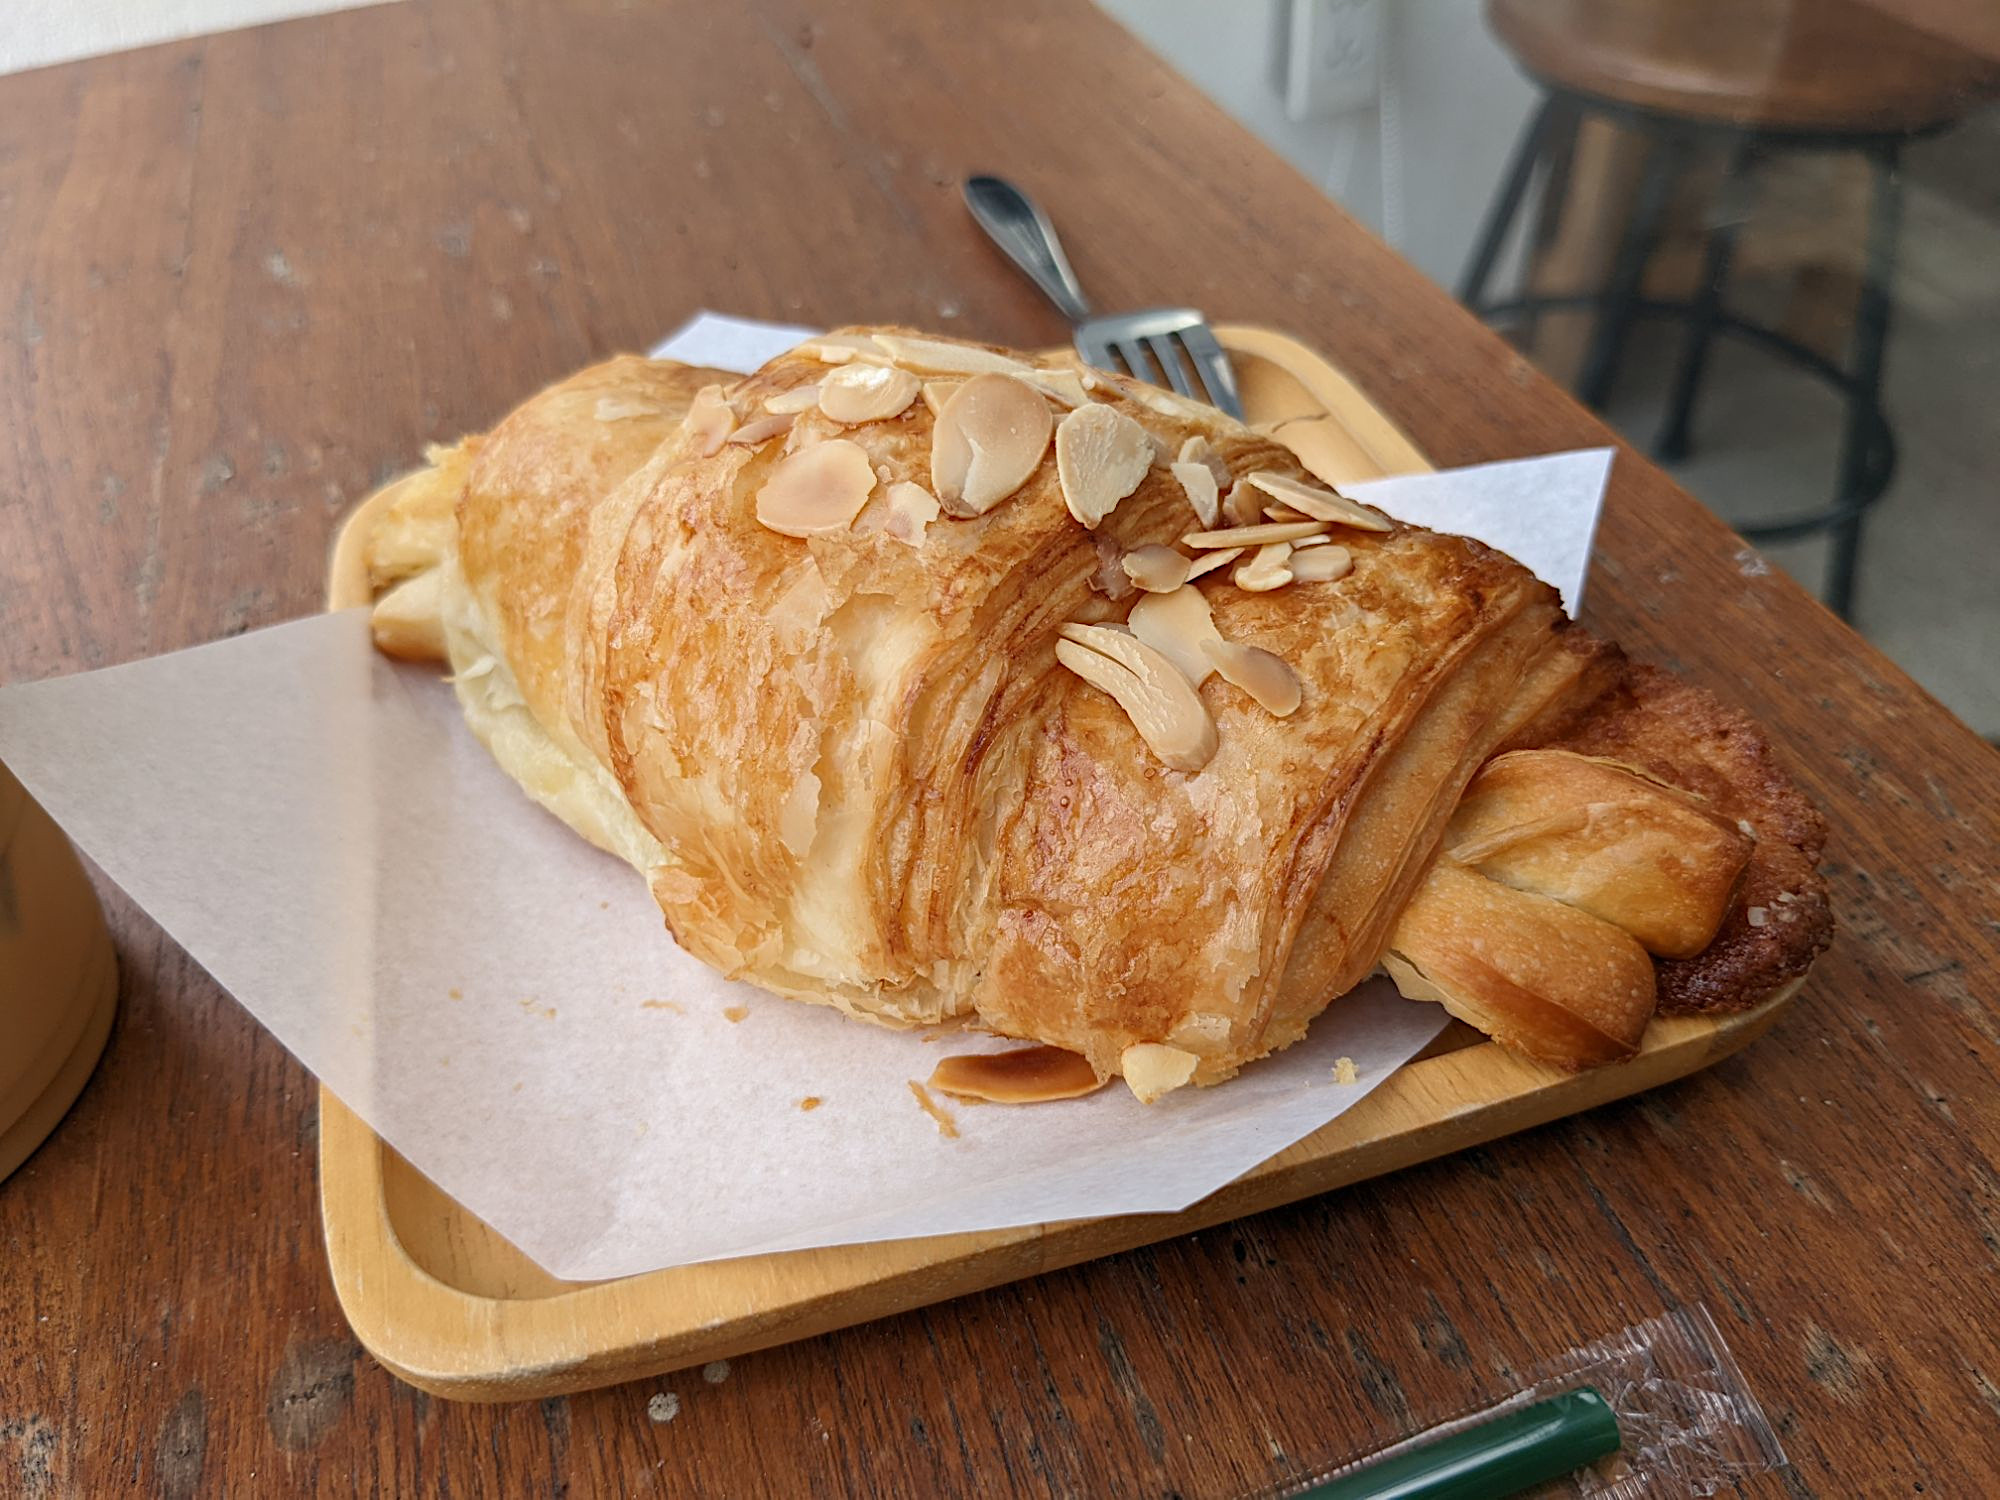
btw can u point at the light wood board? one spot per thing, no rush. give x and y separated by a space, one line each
447 1304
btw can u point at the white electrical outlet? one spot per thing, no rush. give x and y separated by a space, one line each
1333 57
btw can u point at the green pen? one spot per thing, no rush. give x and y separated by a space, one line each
1489 1462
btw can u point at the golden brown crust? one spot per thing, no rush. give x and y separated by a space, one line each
1132 903
1535 973
1656 861
1780 920
530 491
415 529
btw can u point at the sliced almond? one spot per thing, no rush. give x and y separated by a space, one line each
1321 564
1167 404
790 403
710 419
937 392
1065 386
989 438
1101 456
857 393
1198 482
624 408
817 490
937 357
911 509
1322 503
1265 570
1243 505
1178 626
1260 535
840 348
1156 569
1262 674
1027 1075
1153 1068
1284 513
762 429
1208 562
1198 450
1154 693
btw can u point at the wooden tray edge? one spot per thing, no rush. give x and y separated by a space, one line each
1386 444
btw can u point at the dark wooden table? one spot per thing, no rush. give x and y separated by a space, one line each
242 279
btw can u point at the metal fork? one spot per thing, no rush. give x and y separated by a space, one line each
1170 343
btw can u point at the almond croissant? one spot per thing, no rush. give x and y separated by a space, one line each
848 658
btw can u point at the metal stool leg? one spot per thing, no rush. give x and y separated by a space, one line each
1864 411
1558 157
1493 234
1614 316
1728 213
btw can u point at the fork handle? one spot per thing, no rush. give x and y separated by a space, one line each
1014 222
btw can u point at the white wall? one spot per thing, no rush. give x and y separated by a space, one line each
36 32
1456 104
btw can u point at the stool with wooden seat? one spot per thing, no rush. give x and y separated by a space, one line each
1755 78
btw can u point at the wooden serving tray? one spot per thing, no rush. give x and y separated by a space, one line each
443 1301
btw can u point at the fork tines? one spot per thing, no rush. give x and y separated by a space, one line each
1169 346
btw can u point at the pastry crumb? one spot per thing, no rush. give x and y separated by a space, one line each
947 1127
811 1102
1344 1071
672 1005
734 1013
456 993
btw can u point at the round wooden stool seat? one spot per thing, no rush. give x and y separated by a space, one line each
1832 66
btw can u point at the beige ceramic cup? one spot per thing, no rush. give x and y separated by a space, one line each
58 977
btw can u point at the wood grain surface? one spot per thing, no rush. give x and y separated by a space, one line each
242 279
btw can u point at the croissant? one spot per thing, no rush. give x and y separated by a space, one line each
939 683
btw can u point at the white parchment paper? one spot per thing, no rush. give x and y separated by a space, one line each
501 1003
